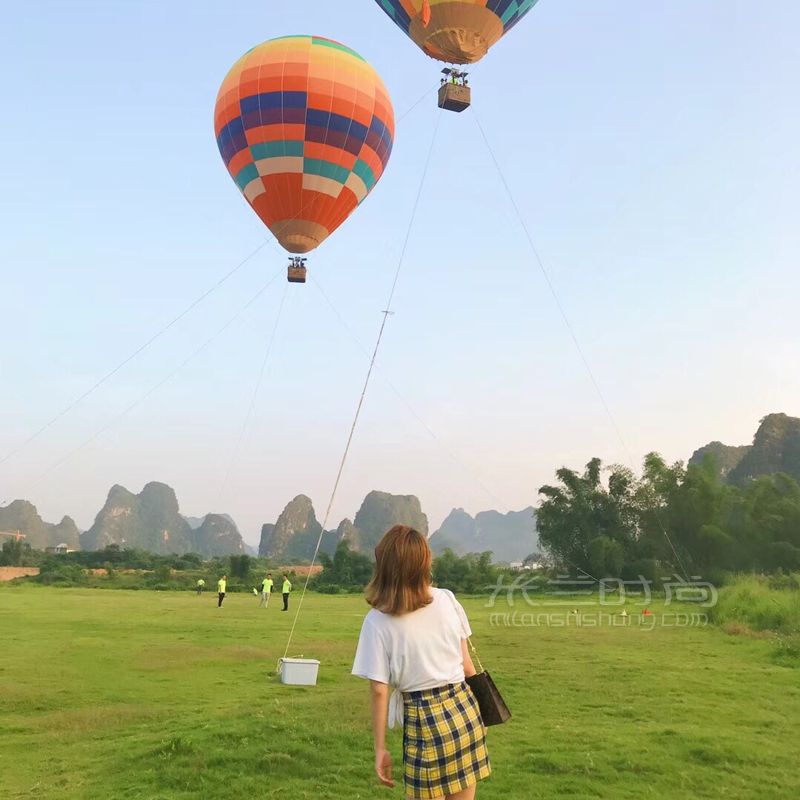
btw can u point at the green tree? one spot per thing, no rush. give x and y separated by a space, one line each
346 571
162 575
55 571
240 566
13 553
671 519
582 509
653 496
472 573
781 556
606 557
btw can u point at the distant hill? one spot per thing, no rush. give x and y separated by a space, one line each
510 537
726 457
381 510
22 516
265 542
345 531
775 448
151 521
294 536
148 520
218 536
196 522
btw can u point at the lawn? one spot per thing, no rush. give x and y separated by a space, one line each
124 694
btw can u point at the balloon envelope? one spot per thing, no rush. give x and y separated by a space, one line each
456 31
305 127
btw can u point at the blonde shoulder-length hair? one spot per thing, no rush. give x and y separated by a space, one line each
401 581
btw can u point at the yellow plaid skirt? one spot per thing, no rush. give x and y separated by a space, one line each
444 741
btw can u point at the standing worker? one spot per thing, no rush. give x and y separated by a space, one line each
287 587
222 585
266 590
200 586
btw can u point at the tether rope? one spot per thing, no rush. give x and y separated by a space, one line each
570 329
256 389
127 360
386 314
404 400
156 386
502 504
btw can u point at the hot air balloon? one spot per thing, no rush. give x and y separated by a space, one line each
456 32
305 127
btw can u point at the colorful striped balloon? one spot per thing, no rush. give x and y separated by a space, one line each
305 127
456 31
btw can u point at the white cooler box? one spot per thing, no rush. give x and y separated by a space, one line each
299 671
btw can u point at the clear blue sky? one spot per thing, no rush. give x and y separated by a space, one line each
652 148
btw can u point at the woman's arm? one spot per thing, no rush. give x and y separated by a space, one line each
469 667
379 694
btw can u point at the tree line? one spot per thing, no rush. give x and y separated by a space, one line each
348 571
609 522
345 571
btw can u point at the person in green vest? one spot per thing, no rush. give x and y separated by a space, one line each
266 590
222 585
287 587
200 586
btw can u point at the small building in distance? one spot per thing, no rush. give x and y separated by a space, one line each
526 566
59 549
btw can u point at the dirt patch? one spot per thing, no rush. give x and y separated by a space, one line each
93 718
176 656
735 628
10 573
302 571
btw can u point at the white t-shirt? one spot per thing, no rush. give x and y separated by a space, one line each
410 652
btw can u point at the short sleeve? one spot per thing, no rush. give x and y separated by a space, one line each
466 630
372 660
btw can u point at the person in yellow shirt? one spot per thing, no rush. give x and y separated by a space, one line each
266 590
200 586
287 587
222 585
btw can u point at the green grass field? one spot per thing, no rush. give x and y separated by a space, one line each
118 694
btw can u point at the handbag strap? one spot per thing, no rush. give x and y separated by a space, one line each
464 630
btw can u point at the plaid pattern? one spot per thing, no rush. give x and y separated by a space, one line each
444 742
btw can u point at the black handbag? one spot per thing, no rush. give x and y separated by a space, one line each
494 710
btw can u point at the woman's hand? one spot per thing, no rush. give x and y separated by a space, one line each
383 767
380 704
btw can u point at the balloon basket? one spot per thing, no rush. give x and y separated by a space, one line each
454 97
297 270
